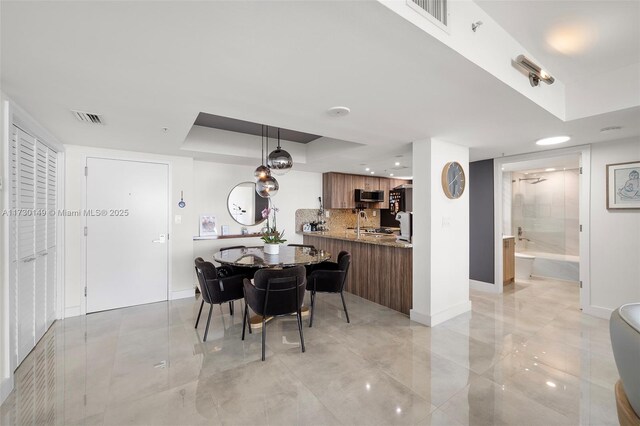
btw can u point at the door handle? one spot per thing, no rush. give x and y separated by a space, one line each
160 240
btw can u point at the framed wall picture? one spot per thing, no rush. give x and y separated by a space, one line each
208 225
623 185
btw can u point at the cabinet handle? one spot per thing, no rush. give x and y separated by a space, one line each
31 259
44 254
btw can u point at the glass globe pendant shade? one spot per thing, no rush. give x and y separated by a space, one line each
267 187
280 161
262 172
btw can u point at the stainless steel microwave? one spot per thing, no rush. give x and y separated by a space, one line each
363 196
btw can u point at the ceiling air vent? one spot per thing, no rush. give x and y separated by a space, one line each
88 117
434 10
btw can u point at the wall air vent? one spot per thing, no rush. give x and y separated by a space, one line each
88 117
434 10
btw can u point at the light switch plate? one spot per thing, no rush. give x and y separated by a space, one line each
178 219
327 213
375 213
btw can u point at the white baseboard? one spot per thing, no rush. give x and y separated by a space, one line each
6 386
597 311
72 311
183 294
442 316
484 286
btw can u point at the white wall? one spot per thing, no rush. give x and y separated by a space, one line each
214 181
547 212
615 234
441 236
180 241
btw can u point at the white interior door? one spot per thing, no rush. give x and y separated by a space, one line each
26 255
127 225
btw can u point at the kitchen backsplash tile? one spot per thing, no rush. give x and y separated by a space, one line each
339 219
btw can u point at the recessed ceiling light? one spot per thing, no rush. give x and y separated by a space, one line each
610 129
390 174
553 140
373 173
397 163
338 111
367 169
551 384
550 169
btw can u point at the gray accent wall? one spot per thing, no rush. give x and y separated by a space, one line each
481 222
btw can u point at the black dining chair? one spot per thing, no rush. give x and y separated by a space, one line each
329 277
215 289
275 292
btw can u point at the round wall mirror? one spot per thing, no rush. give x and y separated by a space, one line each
245 205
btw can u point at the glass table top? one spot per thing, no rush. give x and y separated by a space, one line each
257 258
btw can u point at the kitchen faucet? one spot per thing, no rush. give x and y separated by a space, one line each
361 214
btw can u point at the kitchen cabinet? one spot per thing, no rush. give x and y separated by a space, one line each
338 189
508 260
371 183
384 185
393 183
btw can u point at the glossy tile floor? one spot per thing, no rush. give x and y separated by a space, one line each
527 357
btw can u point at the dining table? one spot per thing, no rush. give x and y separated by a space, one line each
255 257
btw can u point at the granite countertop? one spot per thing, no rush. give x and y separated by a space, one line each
385 240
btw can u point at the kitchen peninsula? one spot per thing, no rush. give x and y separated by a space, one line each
381 267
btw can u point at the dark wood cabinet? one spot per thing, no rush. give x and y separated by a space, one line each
338 189
334 190
508 260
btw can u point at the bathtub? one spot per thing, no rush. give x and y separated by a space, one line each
548 265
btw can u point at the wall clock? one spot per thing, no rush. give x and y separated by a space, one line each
453 180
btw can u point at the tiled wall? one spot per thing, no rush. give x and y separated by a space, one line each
338 220
547 212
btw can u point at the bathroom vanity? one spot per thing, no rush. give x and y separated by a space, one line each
508 259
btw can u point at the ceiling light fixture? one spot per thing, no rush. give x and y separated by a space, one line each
536 73
266 185
397 163
553 140
338 111
390 174
550 169
262 170
373 173
280 161
367 169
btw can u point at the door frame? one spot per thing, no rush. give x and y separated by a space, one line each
584 203
83 246
13 114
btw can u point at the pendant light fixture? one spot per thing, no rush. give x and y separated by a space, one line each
262 171
266 185
280 161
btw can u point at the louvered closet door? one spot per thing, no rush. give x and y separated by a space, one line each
26 184
52 176
41 240
13 241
